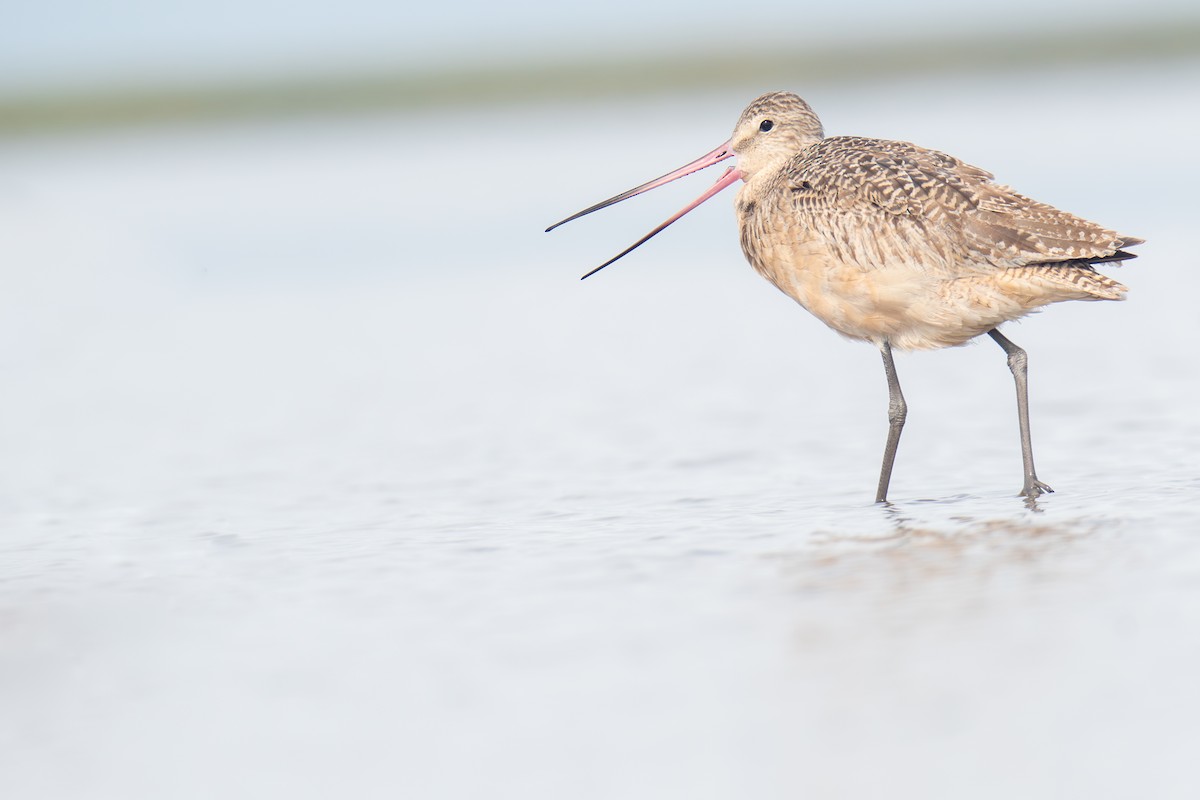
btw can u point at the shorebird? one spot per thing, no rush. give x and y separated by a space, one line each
895 244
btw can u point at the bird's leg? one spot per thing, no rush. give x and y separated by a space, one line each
1018 362
897 411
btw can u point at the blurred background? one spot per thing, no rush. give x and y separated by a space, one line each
321 473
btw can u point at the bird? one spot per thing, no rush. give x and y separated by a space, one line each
896 244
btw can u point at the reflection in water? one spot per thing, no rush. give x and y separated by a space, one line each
934 566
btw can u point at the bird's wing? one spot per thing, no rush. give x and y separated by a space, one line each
928 206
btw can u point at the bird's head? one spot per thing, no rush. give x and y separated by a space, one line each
774 127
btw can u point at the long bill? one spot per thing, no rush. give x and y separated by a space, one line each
731 176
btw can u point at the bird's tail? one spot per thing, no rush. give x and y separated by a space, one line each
1071 280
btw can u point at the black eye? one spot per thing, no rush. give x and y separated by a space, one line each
766 125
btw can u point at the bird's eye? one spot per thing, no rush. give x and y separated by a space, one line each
766 125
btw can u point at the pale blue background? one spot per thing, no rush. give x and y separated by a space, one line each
59 42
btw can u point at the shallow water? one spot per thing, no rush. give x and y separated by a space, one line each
324 475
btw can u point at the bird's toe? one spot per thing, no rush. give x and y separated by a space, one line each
1035 488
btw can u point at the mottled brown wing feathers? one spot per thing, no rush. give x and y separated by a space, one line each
954 202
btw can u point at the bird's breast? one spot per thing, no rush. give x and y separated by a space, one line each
852 286
797 259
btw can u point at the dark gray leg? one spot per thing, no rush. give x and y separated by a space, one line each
897 411
1018 362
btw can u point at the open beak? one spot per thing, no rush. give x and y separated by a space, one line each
732 175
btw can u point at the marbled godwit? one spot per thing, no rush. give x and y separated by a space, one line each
897 245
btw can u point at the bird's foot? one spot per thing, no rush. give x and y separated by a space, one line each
1035 488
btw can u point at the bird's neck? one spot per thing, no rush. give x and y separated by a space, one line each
759 178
